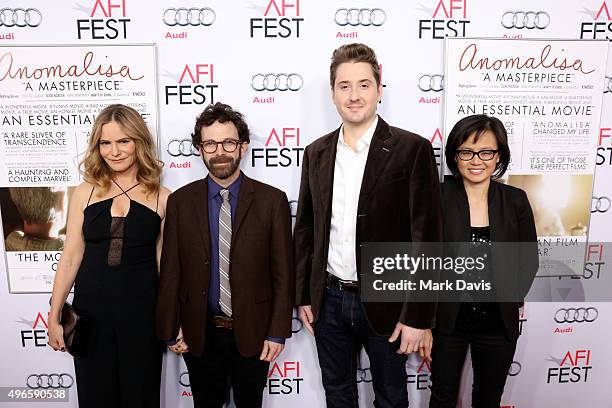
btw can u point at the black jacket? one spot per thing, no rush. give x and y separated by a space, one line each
510 220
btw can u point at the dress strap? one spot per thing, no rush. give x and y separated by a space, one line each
124 191
91 194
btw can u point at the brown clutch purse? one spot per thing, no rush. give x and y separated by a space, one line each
76 330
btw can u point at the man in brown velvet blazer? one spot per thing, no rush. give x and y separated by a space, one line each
226 290
364 182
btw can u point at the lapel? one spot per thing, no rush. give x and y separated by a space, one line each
200 203
464 211
463 214
245 198
381 150
325 162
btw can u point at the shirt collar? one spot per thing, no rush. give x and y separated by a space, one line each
365 140
214 188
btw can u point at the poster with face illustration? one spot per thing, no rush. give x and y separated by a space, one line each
50 98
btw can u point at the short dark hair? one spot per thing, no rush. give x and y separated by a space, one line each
220 112
477 125
355 52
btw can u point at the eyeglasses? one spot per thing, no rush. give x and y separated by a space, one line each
484 155
229 145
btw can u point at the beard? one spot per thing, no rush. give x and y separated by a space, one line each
218 166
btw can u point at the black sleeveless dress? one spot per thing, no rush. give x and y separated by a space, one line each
116 288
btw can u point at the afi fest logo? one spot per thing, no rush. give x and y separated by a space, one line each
36 335
449 18
604 147
573 367
284 378
282 148
594 264
196 85
281 19
522 320
421 376
601 26
436 142
107 21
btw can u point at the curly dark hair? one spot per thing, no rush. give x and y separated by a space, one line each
220 112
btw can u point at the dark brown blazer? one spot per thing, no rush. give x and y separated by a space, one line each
261 273
399 201
510 220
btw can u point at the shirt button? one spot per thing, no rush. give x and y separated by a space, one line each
203 292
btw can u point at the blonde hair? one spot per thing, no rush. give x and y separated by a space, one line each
36 205
94 168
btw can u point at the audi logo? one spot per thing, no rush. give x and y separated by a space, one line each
296 325
182 147
189 16
600 204
608 85
46 381
20 17
184 379
277 82
515 369
434 83
525 19
364 375
360 16
576 315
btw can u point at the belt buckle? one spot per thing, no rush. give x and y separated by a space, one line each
223 322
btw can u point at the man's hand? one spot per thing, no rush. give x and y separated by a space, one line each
271 350
305 315
412 340
180 347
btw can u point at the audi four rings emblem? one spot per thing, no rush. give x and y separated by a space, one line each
184 379
515 369
434 83
189 16
525 19
576 315
46 381
600 204
608 85
182 147
19 17
360 16
277 82
296 325
364 375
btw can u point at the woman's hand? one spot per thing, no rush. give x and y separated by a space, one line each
56 336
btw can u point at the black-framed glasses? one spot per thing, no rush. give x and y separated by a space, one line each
229 145
484 155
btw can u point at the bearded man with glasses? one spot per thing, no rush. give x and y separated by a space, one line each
226 278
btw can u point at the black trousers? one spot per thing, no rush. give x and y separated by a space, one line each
222 366
492 356
340 331
123 358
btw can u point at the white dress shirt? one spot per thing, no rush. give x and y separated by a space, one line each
348 174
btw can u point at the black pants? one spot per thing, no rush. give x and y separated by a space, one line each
220 366
492 356
340 331
123 359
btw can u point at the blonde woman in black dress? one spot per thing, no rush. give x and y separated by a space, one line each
111 255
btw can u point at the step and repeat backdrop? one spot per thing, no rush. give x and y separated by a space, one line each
543 67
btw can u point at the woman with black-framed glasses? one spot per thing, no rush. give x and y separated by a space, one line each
480 210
